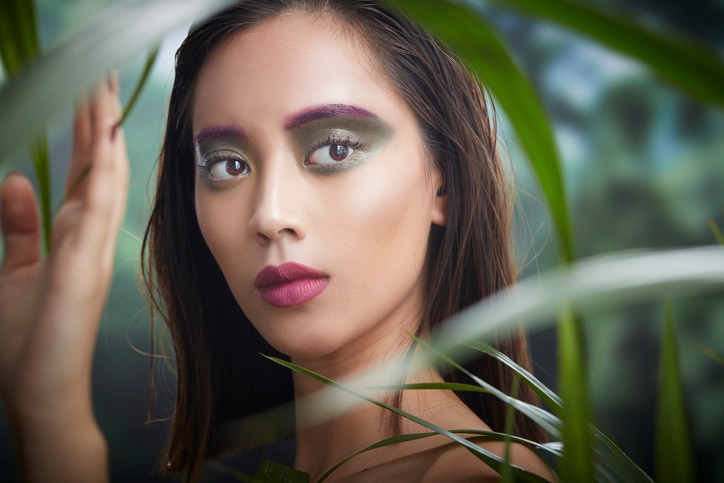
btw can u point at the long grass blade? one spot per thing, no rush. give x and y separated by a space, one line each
612 464
673 441
482 437
717 233
682 62
577 463
49 86
489 458
271 472
19 46
475 42
19 43
41 163
148 66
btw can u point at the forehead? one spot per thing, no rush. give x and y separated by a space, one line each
290 62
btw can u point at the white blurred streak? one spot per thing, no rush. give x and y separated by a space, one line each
51 85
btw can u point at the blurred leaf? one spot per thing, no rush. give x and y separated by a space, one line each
41 163
673 441
480 48
482 437
684 63
715 230
271 472
150 61
19 42
577 463
19 45
489 458
43 90
227 470
711 353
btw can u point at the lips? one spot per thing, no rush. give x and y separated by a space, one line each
290 284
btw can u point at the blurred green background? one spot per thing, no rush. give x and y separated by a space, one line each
643 166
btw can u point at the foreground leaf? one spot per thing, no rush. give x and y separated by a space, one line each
489 458
148 66
476 43
717 233
271 472
577 463
48 87
673 441
677 60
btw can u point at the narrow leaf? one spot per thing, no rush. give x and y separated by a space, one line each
19 42
271 472
677 60
476 43
715 230
41 163
577 463
712 354
489 458
673 441
150 61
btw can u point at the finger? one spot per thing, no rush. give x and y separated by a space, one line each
80 157
104 200
20 222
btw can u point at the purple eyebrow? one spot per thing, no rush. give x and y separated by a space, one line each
322 112
219 132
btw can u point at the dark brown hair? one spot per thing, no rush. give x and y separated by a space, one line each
221 376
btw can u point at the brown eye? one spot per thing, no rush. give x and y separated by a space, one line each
330 154
227 168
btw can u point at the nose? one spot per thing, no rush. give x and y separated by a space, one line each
277 210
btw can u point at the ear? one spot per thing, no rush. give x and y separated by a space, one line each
439 213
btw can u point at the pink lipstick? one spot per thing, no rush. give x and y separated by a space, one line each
289 284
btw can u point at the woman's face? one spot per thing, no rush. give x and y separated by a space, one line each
313 190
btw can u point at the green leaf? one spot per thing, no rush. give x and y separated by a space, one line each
482 437
271 472
712 354
476 43
41 163
673 441
442 386
19 42
577 463
612 464
715 230
489 458
150 61
677 60
50 85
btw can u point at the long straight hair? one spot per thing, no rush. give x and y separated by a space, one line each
221 376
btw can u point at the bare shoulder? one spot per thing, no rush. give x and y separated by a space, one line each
457 464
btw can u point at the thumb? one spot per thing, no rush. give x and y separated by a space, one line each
20 222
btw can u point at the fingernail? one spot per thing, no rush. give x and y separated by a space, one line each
113 80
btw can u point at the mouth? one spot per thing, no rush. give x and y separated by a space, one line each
289 284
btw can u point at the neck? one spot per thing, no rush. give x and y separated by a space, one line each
320 446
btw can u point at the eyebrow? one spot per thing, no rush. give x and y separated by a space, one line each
325 111
214 132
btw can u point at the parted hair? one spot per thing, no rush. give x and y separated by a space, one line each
221 376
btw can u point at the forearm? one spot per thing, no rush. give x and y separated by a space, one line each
60 451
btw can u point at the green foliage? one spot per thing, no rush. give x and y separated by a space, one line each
271 472
676 59
475 42
673 442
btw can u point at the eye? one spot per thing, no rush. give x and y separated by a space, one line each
225 166
333 153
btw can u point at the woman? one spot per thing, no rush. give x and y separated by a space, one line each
328 185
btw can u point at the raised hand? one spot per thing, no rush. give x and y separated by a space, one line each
50 308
